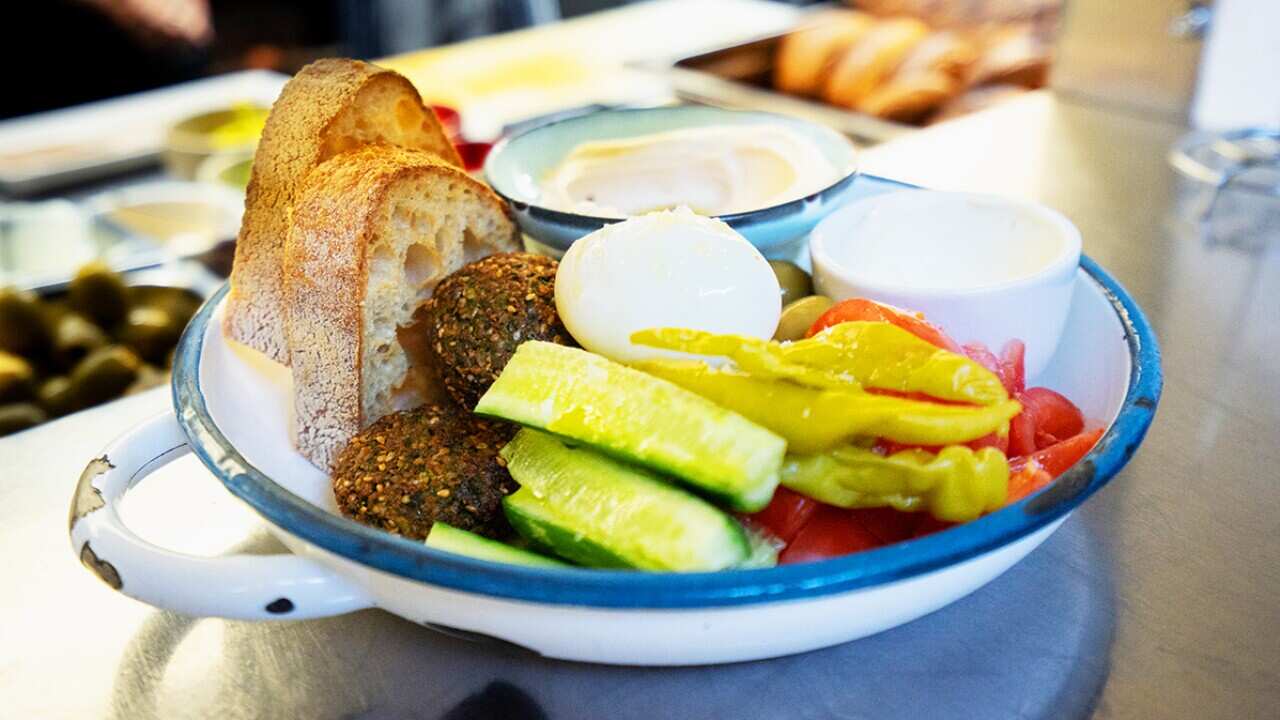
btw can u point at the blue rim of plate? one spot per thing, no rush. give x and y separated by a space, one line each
619 589
587 223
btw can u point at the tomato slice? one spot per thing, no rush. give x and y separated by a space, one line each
1056 418
929 525
990 440
887 524
1013 371
864 309
785 514
1059 457
830 532
1026 478
979 353
1022 434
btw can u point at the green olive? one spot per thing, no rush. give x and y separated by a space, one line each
105 374
99 293
178 302
24 329
150 331
17 417
58 396
800 315
17 378
74 337
794 282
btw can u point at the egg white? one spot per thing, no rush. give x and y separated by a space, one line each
665 269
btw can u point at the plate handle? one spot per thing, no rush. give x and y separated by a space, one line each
242 587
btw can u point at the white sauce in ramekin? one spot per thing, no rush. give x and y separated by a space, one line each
713 170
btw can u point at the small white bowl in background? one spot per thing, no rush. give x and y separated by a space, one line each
984 268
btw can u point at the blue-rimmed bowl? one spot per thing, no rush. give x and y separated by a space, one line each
517 165
232 408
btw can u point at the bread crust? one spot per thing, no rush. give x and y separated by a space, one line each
326 274
301 132
875 57
805 57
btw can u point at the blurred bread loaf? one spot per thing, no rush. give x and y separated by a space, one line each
373 231
330 107
805 57
875 57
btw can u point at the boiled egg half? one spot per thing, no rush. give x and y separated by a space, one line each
672 268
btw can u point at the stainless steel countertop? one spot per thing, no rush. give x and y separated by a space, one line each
1159 598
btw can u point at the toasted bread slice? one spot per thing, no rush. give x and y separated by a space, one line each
373 231
331 106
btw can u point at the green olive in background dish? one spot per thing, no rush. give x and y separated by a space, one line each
17 417
149 331
794 281
799 316
17 378
179 303
24 329
74 337
105 374
58 396
99 293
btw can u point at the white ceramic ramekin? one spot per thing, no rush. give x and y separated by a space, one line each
984 268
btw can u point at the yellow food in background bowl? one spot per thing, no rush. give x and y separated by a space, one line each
234 130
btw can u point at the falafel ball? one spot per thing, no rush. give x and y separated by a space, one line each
477 317
435 462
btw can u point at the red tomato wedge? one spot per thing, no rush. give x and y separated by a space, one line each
1026 478
830 532
1022 434
1013 371
864 309
1056 418
929 525
979 353
887 524
1034 472
785 514
1059 457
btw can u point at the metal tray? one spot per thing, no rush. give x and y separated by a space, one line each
738 76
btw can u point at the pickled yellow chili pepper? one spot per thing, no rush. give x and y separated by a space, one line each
813 420
957 484
846 356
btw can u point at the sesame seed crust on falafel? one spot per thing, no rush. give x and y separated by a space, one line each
479 315
435 462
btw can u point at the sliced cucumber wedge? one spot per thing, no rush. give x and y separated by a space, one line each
456 540
639 418
600 512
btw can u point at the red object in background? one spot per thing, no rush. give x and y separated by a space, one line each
785 514
1056 418
863 309
1013 371
450 120
830 532
473 154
